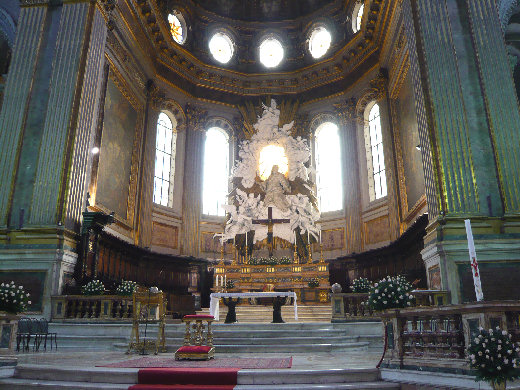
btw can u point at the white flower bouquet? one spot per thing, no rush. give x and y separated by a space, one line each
494 356
126 288
390 293
361 285
94 287
13 298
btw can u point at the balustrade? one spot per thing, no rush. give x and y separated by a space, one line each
95 307
352 307
438 336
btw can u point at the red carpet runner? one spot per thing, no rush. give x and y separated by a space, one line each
186 378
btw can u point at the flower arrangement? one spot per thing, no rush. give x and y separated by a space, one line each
361 285
126 288
494 357
285 260
253 261
230 284
390 293
313 283
94 287
13 299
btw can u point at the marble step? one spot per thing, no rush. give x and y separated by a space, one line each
300 347
79 378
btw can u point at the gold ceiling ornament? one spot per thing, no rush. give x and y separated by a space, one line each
195 117
346 110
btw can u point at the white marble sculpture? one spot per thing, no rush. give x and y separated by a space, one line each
297 208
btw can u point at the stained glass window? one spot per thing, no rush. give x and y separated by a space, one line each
216 172
271 52
328 167
165 150
319 42
177 28
221 47
378 157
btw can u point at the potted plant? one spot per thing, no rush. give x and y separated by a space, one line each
13 300
494 357
230 284
389 293
126 288
313 283
361 286
94 287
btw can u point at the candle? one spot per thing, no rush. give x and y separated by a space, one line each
225 280
320 235
308 240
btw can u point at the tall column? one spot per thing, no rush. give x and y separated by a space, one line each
347 115
501 102
193 168
16 95
466 102
46 121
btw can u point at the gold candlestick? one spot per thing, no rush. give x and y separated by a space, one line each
321 252
310 252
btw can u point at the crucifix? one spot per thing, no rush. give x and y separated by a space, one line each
270 222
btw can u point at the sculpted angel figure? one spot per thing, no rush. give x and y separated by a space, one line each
275 188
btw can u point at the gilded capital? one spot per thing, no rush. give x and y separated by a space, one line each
346 110
196 117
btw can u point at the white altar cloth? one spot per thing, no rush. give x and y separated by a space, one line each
214 300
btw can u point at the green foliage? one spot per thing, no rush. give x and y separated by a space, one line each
494 356
313 283
230 284
13 299
390 293
126 288
285 260
94 287
253 261
361 285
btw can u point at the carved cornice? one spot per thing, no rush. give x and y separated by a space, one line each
196 117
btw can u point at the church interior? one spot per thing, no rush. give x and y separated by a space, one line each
236 160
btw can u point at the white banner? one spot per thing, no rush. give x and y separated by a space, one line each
473 262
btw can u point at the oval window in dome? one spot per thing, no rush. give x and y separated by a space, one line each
271 52
177 27
221 47
319 42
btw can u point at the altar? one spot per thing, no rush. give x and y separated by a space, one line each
215 299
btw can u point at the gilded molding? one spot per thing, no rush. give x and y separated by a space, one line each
196 117
33 3
377 91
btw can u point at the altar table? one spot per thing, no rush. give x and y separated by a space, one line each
214 299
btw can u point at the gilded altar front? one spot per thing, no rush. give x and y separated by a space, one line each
278 277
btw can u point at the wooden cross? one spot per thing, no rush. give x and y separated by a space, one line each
270 222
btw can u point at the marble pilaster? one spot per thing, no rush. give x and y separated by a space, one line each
16 97
192 184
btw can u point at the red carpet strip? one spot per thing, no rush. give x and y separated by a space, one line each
186 378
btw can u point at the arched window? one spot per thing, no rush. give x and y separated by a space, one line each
328 167
165 149
375 156
216 172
